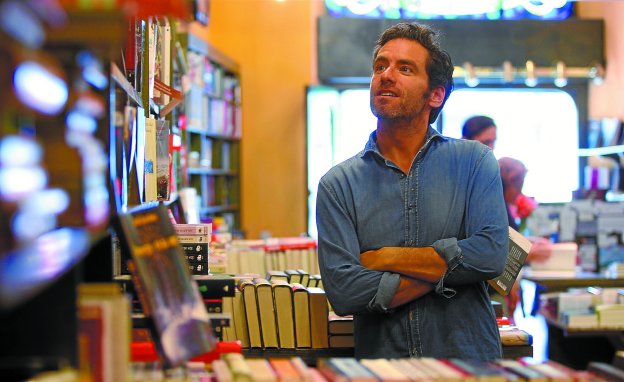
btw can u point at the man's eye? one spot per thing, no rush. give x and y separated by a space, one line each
379 68
406 69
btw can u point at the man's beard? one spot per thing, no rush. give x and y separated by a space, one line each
401 112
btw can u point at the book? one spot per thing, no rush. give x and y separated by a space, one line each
339 324
163 160
168 294
240 319
250 303
215 286
105 307
513 336
483 371
276 275
341 341
319 313
262 371
553 374
304 277
221 371
149 165
294 276
526 373
283 302
91 341
266 313
407 368
384 370
238 366
446 370
345 369
519 247
229 332
301 307
607 371
286 370
197 229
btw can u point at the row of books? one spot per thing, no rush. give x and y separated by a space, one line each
235 367
586 308
276 314
262 256
224 117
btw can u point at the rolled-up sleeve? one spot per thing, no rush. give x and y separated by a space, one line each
350 287
482 254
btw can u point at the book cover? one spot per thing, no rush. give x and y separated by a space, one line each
345 369
250 303
340 324
294 276
229 332
149 163
163 159
241 372
406 367
283 301
319 312
286 370
197 229
276 275
341 341
168 294
91 341
266 313
480 369
215 285
114 316
262 371
301 307
521 370
240 319
384 370
519 247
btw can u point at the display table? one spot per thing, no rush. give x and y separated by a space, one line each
570 346
310 356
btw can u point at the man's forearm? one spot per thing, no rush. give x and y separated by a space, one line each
422 263
409 290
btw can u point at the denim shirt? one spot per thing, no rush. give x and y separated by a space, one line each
452 200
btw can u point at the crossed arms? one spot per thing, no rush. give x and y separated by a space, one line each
419 268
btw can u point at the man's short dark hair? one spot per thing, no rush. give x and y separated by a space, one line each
439 65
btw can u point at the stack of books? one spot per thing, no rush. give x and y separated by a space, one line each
273 313
195 241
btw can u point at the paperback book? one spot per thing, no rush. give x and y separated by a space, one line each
519 247
169 296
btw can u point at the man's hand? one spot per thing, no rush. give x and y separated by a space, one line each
422 263
410 289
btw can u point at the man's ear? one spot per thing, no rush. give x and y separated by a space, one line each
436 98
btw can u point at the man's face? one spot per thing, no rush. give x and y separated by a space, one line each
400 84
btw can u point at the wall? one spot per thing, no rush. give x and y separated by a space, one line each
605 100
275 45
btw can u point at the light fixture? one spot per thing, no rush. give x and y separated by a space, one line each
470 76
40 87
531 77
561 78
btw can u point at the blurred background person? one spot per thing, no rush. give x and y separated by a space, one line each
480 128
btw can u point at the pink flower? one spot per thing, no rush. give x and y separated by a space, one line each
524 206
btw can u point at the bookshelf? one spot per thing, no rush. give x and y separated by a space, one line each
213 131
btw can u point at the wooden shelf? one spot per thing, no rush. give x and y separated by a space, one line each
210 171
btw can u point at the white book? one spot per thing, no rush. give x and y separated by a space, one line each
150 160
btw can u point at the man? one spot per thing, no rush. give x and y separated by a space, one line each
411 228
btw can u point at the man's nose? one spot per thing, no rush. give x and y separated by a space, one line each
388 74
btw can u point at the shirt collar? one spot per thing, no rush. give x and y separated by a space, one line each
371 145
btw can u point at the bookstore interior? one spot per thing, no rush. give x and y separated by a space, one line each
158 205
